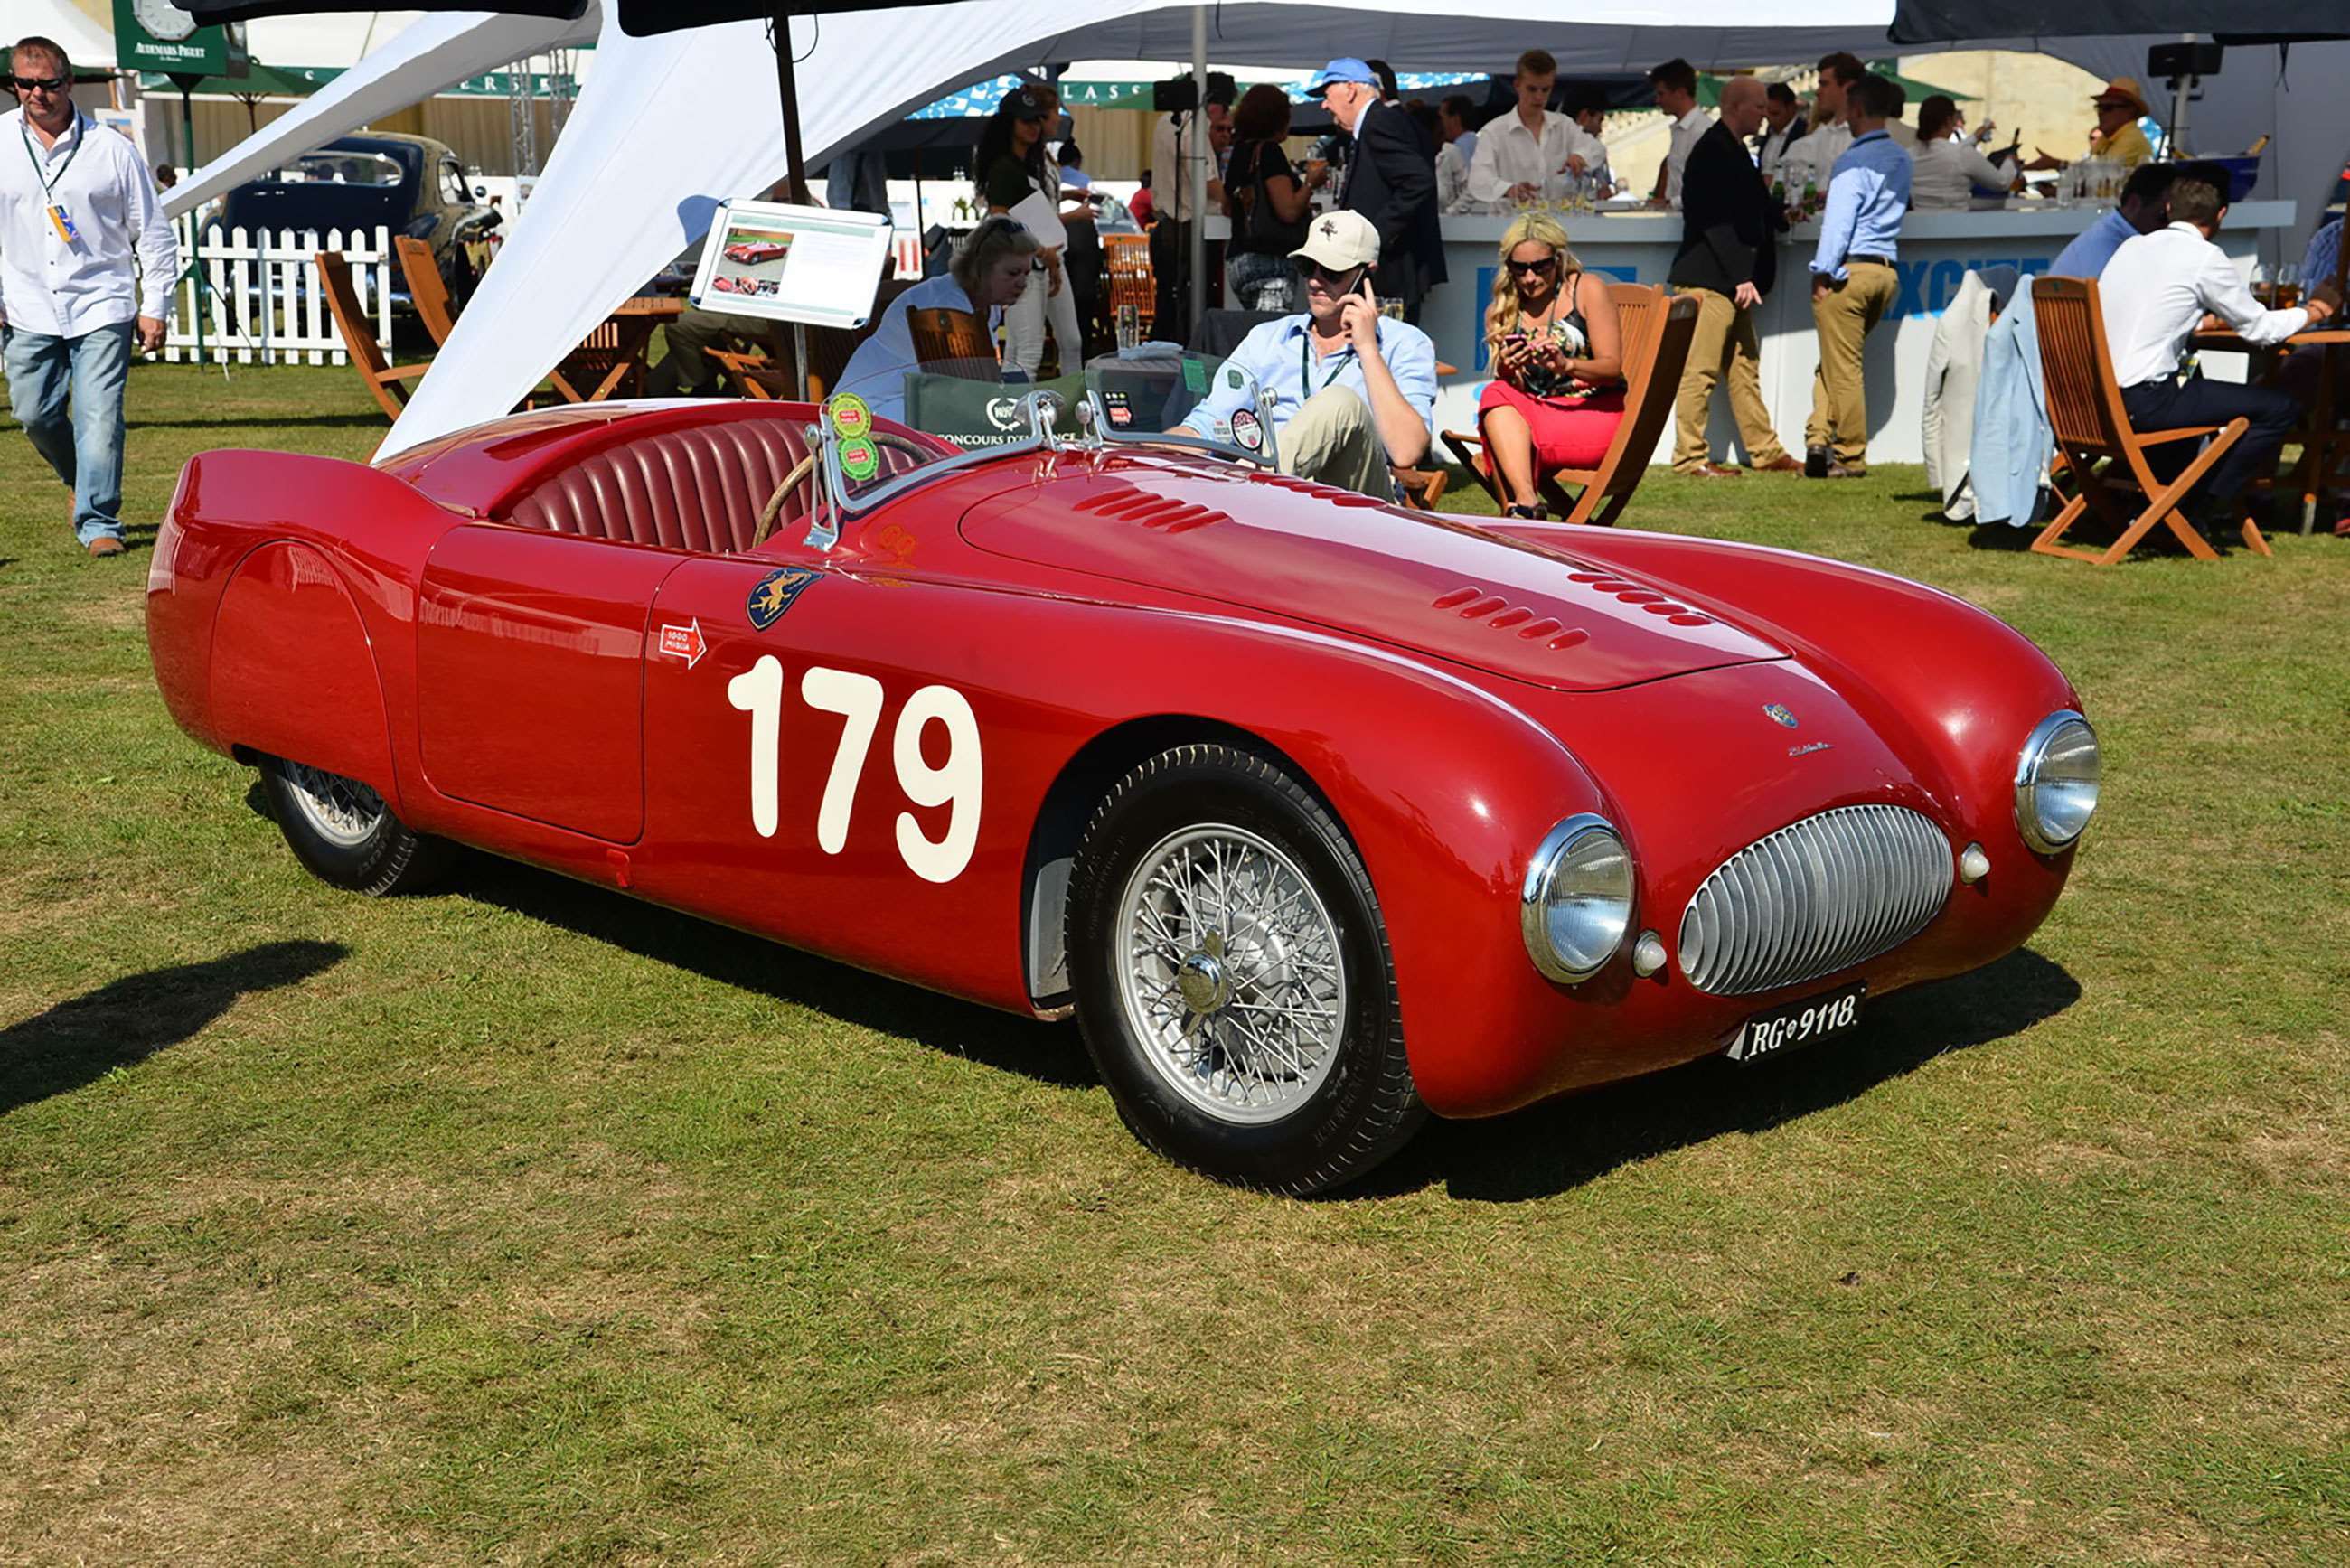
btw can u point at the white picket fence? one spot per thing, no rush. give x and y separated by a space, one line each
264 305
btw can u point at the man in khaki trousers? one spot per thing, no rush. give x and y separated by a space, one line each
1853 280
1726 262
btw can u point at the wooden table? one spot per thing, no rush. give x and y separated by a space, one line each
2321 446
615 351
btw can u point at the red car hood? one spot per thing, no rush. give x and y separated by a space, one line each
1309 553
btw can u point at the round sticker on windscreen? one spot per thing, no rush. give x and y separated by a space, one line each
860 458
1248 432
850 415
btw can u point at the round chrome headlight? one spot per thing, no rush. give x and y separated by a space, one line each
2057 782
1576 905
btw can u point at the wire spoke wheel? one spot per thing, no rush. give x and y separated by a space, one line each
342 811
1230 972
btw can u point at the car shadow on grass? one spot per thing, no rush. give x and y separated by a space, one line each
1050 1055
124 1022
1561 1144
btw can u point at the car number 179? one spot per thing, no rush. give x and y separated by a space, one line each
1797 1023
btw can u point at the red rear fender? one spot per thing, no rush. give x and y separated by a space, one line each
292 672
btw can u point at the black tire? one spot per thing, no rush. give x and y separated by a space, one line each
377 854
1351 1104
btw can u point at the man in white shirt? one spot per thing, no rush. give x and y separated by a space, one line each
1176 142
1452 158
1674 82
1516 153
75 200
1812 157
2154 294
1588 107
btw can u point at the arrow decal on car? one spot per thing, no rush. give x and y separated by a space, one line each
684 642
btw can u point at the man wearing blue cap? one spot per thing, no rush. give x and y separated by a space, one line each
1390 180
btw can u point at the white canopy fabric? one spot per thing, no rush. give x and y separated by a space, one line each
88 44
434 52
634 181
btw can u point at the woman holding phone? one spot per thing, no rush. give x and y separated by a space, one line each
1557 392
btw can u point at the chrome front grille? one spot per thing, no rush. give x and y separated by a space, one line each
1815 897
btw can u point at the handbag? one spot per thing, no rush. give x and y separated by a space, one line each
1268 235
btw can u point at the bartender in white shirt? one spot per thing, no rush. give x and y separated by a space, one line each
1459 145
1675 83
1944 170
1586 106
1519 151
76 205
1812 157
2154 295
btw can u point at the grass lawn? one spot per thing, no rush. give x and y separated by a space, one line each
526 1223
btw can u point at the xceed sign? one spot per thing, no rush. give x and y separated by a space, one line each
157 36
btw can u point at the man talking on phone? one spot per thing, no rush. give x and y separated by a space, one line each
1354 391
76 205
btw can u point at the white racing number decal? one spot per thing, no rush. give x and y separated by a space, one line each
955 782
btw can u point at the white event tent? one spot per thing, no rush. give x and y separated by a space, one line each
668 126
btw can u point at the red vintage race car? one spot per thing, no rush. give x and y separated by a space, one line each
752 252
1318 813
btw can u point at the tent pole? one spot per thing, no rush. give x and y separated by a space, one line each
789 91
1195 170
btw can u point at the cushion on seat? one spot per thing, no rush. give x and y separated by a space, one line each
697 488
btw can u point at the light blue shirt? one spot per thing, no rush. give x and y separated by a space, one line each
2012 439
2093 247
1867 195
1278 355
2324 254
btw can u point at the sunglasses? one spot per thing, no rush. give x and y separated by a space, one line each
1336 282
39 84
1532 266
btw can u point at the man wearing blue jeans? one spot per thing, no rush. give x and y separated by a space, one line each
76 203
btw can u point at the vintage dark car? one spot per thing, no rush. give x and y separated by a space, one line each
409 185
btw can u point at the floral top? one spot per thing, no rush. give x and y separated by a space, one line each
1573 335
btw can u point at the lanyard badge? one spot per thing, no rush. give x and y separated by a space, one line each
62 221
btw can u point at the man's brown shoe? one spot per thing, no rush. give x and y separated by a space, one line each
1846 471
1783 463
106 545
1718 471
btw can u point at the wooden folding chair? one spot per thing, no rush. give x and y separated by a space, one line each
382 378
756 377
1126 279
426 290
2092 430
953 343
1656 334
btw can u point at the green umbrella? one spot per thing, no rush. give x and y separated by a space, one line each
261 81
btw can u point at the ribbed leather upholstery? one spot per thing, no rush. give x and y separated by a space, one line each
698 489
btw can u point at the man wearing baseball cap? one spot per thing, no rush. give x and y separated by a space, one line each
1390 179
1355 392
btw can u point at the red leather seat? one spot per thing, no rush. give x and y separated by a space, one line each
697 489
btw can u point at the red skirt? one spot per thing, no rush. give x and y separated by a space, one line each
1566 435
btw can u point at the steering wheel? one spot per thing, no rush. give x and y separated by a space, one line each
772 513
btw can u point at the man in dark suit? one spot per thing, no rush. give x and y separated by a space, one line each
1783 127
1391 182
1726 262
